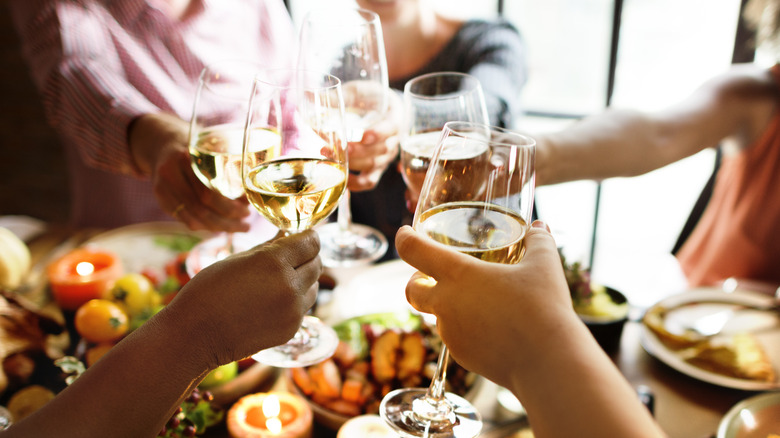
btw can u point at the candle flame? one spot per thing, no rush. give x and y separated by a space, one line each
271 409
274 425
85 268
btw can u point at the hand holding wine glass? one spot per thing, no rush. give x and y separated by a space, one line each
348 44
430 101
476 198
302 114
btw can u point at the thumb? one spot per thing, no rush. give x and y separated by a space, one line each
540 246
427 255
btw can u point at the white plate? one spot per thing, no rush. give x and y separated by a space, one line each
755 417
697 303
370 289
147 245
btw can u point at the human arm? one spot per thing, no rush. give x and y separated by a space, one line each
733 108
158 143
101 92
515 325
230 310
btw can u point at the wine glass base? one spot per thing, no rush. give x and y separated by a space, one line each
360 245
213 250
317 343
397 410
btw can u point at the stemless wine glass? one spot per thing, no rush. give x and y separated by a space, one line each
215 140
301 113
348 43
430 101
476 198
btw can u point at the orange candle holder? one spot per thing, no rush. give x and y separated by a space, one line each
270 415
83 274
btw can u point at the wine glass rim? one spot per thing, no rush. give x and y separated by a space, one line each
317 12
251 68
332 82
465 129
417 79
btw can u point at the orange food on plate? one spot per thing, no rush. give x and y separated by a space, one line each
101 320
95 353
377 354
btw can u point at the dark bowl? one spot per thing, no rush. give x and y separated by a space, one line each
608 331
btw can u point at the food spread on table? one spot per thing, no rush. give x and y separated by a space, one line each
377 353
95 302
738 355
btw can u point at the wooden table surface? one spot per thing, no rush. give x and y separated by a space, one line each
684 407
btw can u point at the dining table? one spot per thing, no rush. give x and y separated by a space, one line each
684 407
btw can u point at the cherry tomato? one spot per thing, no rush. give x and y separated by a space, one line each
153 276
135 292
101 320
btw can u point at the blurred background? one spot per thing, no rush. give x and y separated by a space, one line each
583 56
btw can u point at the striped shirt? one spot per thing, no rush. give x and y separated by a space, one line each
101 63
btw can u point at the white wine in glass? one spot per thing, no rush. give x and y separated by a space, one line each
430 101
347 42
216 140
303 113
477 199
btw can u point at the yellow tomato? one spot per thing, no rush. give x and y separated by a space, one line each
101 320
135 292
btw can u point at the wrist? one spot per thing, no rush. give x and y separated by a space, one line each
150 136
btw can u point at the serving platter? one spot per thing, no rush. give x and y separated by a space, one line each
745 315
148 245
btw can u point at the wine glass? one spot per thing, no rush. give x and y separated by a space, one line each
348 44
302 114
430 101
476 198
215 143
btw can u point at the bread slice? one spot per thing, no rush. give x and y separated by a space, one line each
740 356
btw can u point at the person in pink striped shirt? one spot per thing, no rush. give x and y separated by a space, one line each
118 79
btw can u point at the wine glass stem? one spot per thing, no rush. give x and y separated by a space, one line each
229 243
344 213
436 388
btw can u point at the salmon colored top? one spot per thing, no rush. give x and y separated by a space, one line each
737 235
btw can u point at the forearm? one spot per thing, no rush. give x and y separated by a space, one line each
153 135
569 387
129 393
613 144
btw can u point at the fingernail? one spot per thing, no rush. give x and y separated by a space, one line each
540 224
369 139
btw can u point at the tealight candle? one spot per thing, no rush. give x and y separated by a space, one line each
83 274
366 426
274 414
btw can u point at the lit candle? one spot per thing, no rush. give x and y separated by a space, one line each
83 274
274 414
366 426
